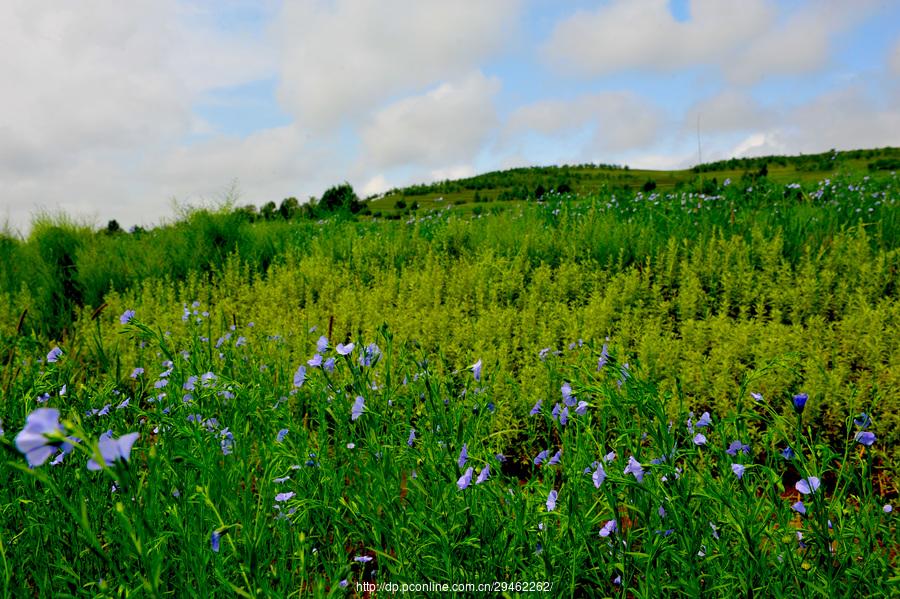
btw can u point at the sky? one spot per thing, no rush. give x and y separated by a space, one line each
136 110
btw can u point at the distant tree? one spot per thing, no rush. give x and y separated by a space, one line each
414 206
112 227
137 230
289 208
340 197
649 186
539 191
563 188
764 170
400 204
268 210
248 212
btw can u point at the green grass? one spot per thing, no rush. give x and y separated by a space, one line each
761 286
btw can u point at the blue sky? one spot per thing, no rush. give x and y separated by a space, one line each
132 110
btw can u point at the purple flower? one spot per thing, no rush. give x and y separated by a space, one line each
634 467
358 407
800 402
787 453
705 420
329 365
551 500
737 446
756 396
865 438
412 437
863 422
281 479
807 485
214 540
227 442
888 508
599 475
537 407
463 455
126 317
699 439
190 383
566 390
555 412
738 470
466 479
54 355
284 496
363 559
541 457
555 459
564 415
604 356
322 344
799 507
113 449
315 361
161 383
608 528
281 435
476 370
344 349
300 376
344 584
483 475
32 440
370 355
582 408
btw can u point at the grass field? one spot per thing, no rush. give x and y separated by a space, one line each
685 390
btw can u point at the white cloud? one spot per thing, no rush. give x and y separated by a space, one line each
730 110
893 61
608 122
342 59
746 40
446 125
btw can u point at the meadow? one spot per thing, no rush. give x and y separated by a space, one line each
618 392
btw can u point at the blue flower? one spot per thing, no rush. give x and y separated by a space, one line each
608 528
699 439
567 396
463 455
284 496
705 420
370 356
315 361
738 470
126 317
737 446
358 407
634 467
604 356
865 438
483 475
412 437
214 540
541 457
32 440
863 422
466 479
300 376
537 407
54 355
582 408
555 459
113 449
787 453
799 507
281 435
756 396
227 442
807 485
800 402
329 365
344 350
476 370
564 415
551 500
599 475
322 344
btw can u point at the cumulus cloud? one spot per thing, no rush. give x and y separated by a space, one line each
344 58
446 125
746 40
609 122
730 110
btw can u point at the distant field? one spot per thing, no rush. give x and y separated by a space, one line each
770 300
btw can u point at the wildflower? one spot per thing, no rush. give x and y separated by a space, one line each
344 349
599 475
699 439
863 422
126 317
705 420
227 443
555 412
329 365
463 455
609 457
300 376
343 584
564 415
566 390
412 437
661 511
208 378
214 540
466 479
370 356
608 528
551 500
32 440
113 449
54 355
737 446
315 361
281 479
865 438
284 496
888 508
807 485
756 396
476 370
634 467
799 507
541 457
137 372
617 580
241 341
787 453
556 458
483 475
358 407
738 470
800 402
161 383
322 344
190 383
604 356
581 410
281 435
